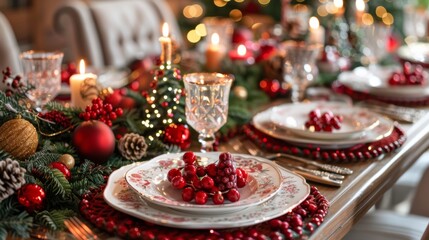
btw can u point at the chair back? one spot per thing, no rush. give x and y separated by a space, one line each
114 32
9 50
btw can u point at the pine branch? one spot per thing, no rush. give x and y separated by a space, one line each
54 220
18 225
12 106
88 176
8 207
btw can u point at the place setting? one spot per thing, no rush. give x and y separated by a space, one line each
331 131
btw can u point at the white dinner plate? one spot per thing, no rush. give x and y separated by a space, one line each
356 121
262 122
121 197
376 82
150 181
417 52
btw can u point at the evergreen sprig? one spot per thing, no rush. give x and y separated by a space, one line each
13 220
54 219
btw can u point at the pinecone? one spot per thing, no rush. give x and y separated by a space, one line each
11 177
132 146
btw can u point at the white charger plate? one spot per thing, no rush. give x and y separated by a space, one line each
262 122
376 82
417 52
121 197
150 181
356 121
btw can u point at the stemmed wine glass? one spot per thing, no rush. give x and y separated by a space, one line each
207 97
300 67
42 71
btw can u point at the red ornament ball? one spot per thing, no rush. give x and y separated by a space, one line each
32 197
271 87
62 168
177 134
94 140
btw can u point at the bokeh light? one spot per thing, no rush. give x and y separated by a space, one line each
236 15
193 37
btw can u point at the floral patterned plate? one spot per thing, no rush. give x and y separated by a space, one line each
150 181
120 196
356 121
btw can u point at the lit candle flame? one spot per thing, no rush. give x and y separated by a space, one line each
165 30
241 50
314 23
82 66
360 5
338 4
215 39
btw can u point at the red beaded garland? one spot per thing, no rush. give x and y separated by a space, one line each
291 225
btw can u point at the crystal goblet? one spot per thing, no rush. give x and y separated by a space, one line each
300 67
42 71
207 97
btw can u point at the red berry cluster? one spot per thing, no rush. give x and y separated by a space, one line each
13 83
219 180
56 117
325 122
101 111
409 76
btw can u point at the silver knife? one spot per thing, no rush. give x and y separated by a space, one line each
319 179
323 166
329 175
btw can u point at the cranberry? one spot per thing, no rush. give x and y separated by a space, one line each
218 198
190 170
188 194
178 182
201 171
211 170
233 195
241 182
196 182
314 114
207 182
275 223
189 158
172 173
201 197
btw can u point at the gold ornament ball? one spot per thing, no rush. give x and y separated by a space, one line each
19 138
67 160
240 92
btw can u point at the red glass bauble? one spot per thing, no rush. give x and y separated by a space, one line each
270 86
94 140
115 98
32 197
62 168
177 134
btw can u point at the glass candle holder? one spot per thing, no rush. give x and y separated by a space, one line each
42 71
224 27
207 97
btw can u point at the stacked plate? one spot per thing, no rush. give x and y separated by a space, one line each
375 82
143 191
287 122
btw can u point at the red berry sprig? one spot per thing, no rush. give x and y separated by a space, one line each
101 111
56 117
13 83
325 122
408 76
218 181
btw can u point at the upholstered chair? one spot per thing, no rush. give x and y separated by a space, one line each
114 32
9 50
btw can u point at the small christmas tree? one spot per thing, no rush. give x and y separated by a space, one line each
164 98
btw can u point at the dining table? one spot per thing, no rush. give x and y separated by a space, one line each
370 180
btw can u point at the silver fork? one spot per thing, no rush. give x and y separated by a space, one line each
331 179
254 150
79 229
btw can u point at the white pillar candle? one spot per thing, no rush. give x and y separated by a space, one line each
317 32
83 87
166 47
